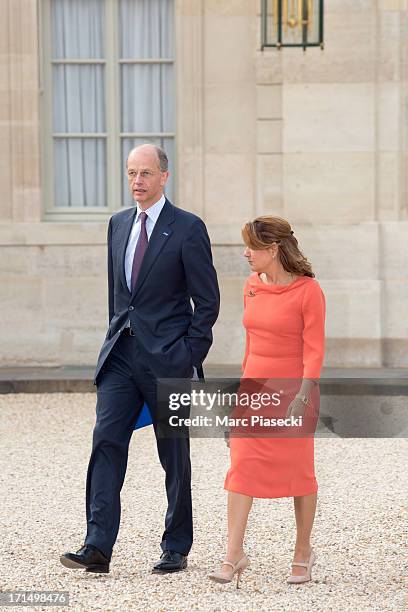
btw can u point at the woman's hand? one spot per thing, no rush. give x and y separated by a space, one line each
296 408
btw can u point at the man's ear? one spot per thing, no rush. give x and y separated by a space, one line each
164 177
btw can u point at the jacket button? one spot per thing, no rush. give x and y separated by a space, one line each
131 307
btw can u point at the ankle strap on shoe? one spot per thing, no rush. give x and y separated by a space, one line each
229 563
300 564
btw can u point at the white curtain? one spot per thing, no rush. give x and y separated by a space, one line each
147 90
79 103
147 98
146 31
78 29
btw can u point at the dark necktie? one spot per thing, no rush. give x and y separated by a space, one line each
140 249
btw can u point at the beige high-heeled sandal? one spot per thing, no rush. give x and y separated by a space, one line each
308 575
226 576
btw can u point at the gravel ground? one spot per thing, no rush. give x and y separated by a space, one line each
360 533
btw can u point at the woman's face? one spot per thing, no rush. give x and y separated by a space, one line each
260 260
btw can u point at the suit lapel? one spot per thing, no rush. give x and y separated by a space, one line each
121 237
160 235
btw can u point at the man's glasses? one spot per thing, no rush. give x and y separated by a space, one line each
145 174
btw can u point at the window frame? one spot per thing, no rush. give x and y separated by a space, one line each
113 134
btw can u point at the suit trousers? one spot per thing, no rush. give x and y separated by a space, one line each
123 385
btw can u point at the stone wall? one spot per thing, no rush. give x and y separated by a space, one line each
317 137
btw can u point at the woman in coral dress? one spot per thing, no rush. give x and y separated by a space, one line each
284 311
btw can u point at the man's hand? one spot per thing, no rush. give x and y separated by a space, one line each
227 438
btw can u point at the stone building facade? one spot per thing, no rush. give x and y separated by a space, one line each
319 138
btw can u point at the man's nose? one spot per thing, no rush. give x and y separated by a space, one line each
136 178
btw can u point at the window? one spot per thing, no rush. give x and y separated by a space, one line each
286 23
108 86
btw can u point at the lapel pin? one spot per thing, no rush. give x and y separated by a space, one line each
251 294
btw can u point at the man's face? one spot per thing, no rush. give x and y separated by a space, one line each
146 181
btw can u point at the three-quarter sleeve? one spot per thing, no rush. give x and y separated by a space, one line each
247 340
313 309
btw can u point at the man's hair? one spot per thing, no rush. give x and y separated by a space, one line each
163 159
161 155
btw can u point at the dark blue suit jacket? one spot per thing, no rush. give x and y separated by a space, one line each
177 269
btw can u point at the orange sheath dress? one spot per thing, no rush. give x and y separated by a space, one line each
284 339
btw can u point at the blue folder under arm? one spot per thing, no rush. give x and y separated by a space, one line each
144 418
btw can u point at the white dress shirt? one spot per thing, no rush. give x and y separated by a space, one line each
152 215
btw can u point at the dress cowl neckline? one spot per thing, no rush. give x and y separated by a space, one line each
256 285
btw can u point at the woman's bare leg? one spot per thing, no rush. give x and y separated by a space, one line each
239 507
305 510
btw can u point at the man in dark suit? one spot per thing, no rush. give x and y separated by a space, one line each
159 260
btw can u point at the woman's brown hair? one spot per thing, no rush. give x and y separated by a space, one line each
264 231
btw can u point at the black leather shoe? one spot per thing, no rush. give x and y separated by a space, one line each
170 561
89 558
